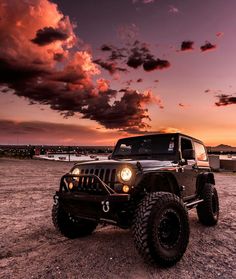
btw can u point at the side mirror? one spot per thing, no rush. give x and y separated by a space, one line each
109 156
188 154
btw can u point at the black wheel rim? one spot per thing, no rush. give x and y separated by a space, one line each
169 229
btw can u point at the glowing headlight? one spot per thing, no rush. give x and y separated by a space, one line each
76 171
126 174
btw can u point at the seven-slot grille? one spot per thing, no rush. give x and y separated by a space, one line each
90 185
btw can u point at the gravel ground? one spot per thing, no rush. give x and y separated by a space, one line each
30 247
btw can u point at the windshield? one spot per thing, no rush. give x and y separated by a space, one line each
162 147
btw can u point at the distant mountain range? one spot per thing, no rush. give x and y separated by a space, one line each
222 148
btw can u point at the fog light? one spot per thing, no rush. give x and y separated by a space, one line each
71 185
125 188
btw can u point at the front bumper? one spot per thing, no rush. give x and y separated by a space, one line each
108 205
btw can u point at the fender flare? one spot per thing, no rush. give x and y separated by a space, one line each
160 181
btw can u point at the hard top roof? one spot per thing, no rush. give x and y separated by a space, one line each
156 134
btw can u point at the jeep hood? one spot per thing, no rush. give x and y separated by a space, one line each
144 164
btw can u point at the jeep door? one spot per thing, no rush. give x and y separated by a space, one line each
187 175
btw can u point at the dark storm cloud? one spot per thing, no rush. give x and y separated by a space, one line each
126 113
49 35
68 93
187 45
140 55
137 55
134 61
207 46
115 52
225 100
106 47
155 64
111 67
72 87
134 55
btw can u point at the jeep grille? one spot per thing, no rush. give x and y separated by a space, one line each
89 185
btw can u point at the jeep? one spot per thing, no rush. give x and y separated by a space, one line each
147 184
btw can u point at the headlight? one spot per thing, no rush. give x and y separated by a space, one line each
76 171
126 174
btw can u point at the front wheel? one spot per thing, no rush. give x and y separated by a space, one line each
71 226
208 210
161 228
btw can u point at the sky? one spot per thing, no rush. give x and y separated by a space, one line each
90 72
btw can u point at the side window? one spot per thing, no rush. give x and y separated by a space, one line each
187 148
186 144
200 151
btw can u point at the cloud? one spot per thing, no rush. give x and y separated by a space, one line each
140 55
53 72
136 55
212 91
106 47
116 53
187 45
128 83
173 10
103 85
48 35
225 100
37 132
155 64
219 34
207 46
129 112
183 106
111 67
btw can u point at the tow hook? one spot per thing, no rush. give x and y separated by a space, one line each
105 206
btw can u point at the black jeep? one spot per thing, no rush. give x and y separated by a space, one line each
148 184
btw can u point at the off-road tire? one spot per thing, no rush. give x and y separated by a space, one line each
208 210
70 226
157 212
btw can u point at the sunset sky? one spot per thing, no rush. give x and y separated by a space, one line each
90 72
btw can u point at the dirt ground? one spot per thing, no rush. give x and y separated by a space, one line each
30 247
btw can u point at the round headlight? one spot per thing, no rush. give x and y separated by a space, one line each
76 171
126 174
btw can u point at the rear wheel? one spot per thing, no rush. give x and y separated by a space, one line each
71 226
161 228
208 210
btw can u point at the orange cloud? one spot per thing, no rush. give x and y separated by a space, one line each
39 60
